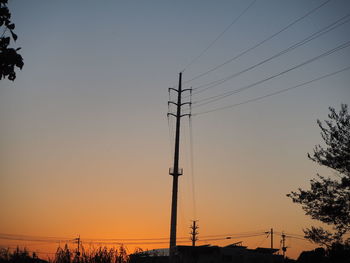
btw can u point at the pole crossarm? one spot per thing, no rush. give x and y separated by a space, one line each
172 102
173 89
171 114
190 90
182 104
183 115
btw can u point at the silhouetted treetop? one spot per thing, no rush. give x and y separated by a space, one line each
328 199
336 135
9 58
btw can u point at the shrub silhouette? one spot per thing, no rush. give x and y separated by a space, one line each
99 255
18 255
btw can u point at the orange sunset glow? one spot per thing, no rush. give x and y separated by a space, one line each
87 135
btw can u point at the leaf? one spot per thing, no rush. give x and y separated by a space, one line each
14 36
4 42
11 26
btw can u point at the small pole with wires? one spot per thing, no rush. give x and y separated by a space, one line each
78 248
284 248
271 238
194 233
270 233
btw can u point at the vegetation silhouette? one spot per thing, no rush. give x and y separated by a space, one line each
338 254
9 58
328 199
99 255
67 255
19 255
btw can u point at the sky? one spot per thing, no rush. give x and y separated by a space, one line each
86 144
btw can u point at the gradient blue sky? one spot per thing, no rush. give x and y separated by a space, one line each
84 137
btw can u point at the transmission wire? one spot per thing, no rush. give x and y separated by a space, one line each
219 36
230 93
192 169
63 239
315 35
260 43
264 239
274 93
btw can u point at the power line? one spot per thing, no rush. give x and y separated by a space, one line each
36 240
132 243
30 238
315 35
35 237
230 93
207 238
291 234
85 239
220 35
229 237
299 238
260 43
236 235
166 242
101 240
192 168
264 239
274 93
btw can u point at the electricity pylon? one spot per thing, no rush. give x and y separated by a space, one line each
176 171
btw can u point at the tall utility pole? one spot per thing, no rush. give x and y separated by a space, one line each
176 171
194 232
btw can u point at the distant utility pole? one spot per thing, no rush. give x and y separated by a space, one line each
194 232
176 171
284 248
78 241
271 238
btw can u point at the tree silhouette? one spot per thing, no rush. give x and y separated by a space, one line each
9 58
328 199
